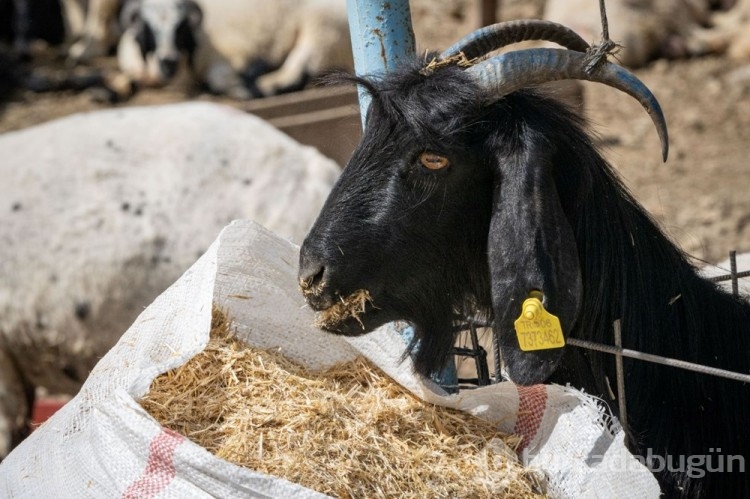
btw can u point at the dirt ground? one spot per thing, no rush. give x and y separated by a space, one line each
701 196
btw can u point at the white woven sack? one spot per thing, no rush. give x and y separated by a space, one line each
103 444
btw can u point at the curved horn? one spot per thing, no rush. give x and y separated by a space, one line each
512 71
489 38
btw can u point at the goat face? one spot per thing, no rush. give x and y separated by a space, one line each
162 30
441 212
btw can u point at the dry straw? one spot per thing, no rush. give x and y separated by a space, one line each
351 306
349 432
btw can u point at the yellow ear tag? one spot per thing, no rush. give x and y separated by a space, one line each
537 329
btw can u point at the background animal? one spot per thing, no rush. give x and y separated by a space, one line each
468 192
23 21
646 29
732 28
92 28
241 49
152 186
23 24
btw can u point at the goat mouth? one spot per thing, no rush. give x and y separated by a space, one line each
343 316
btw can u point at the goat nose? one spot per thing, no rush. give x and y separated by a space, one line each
314 278
168 66
310 273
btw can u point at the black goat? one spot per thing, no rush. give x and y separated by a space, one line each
462 198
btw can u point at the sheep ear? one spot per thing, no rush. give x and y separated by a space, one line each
531 247
130 13
194 13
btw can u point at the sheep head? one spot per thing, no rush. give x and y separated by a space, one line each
162 31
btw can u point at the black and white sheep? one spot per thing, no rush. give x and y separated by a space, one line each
469 191
242 49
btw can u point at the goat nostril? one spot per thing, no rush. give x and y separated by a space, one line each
311 275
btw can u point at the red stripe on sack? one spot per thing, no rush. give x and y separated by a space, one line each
160 470
532 402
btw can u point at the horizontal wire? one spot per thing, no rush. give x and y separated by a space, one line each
682 364
634 354
728 277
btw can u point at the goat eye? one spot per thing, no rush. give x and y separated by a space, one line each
433 161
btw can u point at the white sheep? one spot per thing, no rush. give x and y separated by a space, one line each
241 49
733 28
646 29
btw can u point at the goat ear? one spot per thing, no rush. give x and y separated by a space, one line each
531 247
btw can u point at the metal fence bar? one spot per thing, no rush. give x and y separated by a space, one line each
483 373
498 357
620 375
682 364
727 277
620 352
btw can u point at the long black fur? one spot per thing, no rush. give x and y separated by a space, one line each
418 240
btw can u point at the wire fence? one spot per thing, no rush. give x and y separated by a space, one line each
479 354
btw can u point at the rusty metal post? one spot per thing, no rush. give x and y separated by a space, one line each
620 373
488 12
733 270
382 35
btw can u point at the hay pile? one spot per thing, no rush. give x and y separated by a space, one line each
350 432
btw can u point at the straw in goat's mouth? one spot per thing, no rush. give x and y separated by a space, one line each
351 306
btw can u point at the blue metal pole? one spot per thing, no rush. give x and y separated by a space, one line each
382 35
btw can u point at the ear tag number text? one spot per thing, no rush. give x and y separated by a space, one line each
536 328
